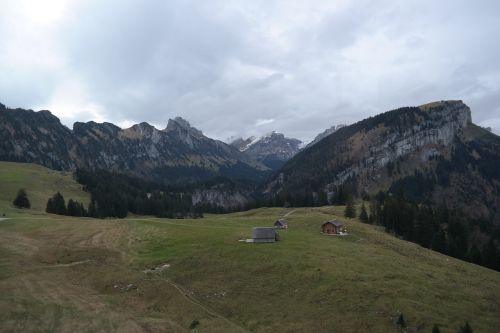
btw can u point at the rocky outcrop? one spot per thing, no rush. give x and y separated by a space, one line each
361 151
219 196
436 129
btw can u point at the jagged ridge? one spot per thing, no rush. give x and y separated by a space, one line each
179 153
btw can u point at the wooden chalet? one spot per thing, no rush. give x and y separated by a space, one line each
332 227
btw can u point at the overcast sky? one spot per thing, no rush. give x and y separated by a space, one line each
240 68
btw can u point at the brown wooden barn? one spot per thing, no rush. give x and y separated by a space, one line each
332 227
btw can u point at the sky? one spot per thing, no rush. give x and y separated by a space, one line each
242 68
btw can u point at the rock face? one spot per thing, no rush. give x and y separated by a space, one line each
389 149
180 153
433 131
221 196
273 149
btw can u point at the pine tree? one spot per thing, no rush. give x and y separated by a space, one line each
363 215
92 210
401 321
21 200
350 210
72 208
475 255
436 329
56 205
466 328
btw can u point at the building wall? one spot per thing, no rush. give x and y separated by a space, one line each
329 229
264 240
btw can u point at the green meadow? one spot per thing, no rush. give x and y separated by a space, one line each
144 274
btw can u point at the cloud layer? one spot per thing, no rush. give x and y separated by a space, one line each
241 68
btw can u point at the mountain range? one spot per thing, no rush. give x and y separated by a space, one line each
179 153
432 153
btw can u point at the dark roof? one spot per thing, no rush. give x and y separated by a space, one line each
334 222
281 221
260 232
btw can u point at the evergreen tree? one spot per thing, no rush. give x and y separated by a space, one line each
466 328
475 255
75 208
435 329
92 210
401 321
439 243
21 200
56 205
72 208
374 212
363 215
490 254
350 210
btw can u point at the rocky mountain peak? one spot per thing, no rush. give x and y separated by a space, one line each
180 124
272 149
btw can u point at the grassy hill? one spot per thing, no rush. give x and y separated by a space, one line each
40 183
76 274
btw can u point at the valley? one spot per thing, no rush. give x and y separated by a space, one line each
63 273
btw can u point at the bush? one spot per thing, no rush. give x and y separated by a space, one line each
21 200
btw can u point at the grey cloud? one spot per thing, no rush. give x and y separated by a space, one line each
225 65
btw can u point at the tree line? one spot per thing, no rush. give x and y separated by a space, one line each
115 195
437 228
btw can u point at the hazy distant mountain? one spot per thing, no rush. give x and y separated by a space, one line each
432 152
178 153
272 149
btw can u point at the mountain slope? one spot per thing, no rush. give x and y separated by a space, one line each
437 140
39 182
272 150
179 153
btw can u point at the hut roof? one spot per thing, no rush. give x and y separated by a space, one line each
334 222
261 232
281 221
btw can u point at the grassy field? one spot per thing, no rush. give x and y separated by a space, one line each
61 274
40 183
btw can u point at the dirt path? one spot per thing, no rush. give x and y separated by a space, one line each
75 263
289 213
192 300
